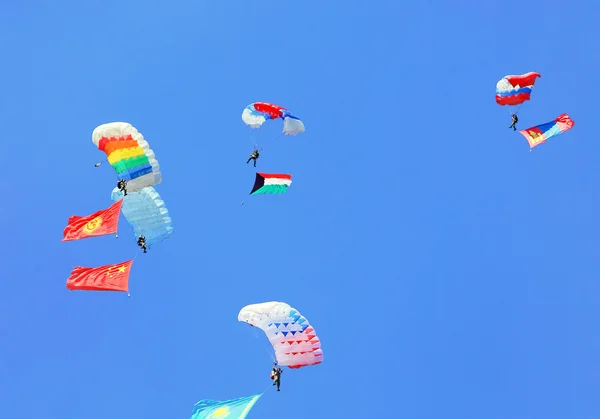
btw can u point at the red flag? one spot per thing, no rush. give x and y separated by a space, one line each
100 223
103 278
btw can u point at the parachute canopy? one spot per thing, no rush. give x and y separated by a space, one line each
540 133
294 340
257 113
271 183
129 154
232 409
146 213
514 90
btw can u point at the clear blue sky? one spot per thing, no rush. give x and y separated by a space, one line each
449 271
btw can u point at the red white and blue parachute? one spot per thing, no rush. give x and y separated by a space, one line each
294 340
514 90
257 113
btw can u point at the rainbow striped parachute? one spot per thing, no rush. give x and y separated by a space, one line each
129 154
294 340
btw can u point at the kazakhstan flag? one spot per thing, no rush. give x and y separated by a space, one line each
230 409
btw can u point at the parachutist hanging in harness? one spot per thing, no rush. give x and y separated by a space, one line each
276 375
142 242
122 185
515 119
255 155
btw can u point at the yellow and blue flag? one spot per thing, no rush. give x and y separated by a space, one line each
230 409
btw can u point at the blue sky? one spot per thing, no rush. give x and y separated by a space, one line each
449 271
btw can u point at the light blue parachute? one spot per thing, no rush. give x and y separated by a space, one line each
146 213
232 409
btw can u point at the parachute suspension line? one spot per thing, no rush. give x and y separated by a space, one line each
278 137
264 346
270 356
518 108
262 148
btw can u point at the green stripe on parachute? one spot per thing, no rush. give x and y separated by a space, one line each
124 165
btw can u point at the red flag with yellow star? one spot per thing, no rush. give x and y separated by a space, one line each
100 223
103 278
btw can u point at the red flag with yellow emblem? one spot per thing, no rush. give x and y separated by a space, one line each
100 223
103 278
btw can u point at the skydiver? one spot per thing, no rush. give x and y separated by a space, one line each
276 375
122 185
255 155
141 241
515 119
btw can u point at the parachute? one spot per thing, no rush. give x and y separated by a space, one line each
129 154
514 90
540 133
146 213
257 113
294 340
271 183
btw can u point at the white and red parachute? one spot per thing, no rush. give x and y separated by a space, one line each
294 340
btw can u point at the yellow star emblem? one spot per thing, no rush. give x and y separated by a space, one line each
120 269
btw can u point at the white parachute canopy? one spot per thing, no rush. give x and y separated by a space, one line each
294 340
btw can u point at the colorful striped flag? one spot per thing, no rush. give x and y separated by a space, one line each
269 183
540 133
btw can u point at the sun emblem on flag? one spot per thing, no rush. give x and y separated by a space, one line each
221 412
93 225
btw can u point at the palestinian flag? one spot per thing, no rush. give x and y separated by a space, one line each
268 183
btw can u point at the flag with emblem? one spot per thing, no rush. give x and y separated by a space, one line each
100 223
540 133
103 278
230 409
